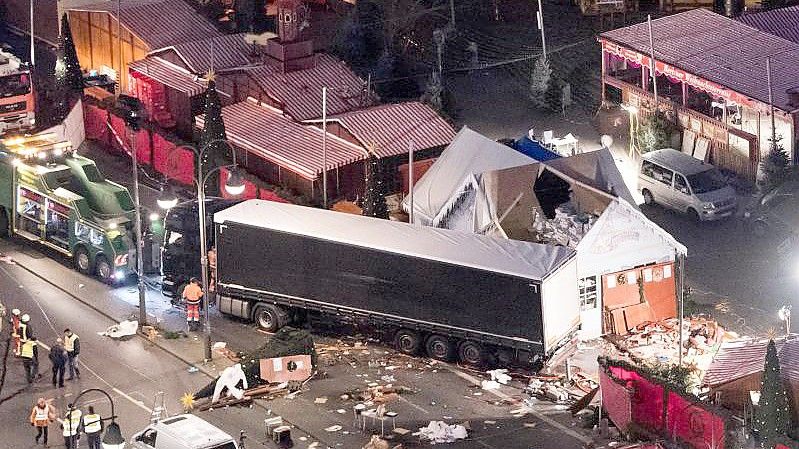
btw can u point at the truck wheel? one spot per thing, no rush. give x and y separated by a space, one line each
505 357
82 262
440 347
269 317
408 341
103 269
4 229
471 352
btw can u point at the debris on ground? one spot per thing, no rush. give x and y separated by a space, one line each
123 329
441 432
499 375
281 366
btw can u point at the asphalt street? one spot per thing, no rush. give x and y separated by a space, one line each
133 371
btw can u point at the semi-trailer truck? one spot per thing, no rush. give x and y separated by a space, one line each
451 294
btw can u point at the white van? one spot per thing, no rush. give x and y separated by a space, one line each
686 184
183 432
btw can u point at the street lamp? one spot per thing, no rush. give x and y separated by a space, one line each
112 438
785 315
234 185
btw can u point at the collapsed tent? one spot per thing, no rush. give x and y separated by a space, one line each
286 342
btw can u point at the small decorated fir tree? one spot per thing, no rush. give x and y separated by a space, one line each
374 199
773 415
213 144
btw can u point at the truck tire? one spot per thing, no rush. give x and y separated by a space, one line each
472 353
4 228
270 317
103 269
440 347
82 261
408 341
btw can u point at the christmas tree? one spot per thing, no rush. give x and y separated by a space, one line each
68 76
540 81
773 416
374 200
213 139
775 166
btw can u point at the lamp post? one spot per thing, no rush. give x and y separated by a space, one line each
234 185
785 315
112 438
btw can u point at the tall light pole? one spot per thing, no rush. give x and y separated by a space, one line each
234 185
324 146
33 55
540 17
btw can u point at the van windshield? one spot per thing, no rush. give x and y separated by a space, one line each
706 181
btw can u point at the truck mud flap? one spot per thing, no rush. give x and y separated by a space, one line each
235 307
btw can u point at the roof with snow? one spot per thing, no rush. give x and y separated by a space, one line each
515 258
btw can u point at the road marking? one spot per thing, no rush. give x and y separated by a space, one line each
417 407
533 412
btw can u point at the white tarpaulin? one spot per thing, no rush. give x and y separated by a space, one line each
623 238
470 153
513 257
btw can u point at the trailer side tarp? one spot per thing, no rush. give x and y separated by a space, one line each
516 258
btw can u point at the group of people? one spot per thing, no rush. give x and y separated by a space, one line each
63 354
73 424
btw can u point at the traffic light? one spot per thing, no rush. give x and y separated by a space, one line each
132 111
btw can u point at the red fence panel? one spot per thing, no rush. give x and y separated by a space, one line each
266 194
694 425
143 149
121 134
647 400
94 120
180 166
617 401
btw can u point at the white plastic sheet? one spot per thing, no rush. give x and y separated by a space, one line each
441 432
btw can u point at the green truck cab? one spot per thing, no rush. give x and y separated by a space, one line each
51 195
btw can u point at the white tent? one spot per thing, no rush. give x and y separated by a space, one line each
623 238
469 154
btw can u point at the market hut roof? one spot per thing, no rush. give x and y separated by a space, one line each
387 129
159 23
720 50
268 133
782 22
300 91
217 52
741 358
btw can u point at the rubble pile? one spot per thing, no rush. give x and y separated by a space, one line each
567 228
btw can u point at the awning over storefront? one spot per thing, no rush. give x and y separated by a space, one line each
168 74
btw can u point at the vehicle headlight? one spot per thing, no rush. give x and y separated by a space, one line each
708 206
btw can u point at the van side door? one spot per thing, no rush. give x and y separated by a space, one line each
662 187
682 193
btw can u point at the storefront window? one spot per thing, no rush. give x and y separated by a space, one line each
588 292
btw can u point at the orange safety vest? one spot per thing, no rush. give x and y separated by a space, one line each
193 293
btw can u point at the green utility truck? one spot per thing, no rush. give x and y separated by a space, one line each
51 195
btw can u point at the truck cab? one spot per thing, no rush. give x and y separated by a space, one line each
51 195
17 103
180 253
183 432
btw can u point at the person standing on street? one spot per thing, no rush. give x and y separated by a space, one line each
193 294
72 345
30 359
41 417
58 357
92 425
71 424
15 331
24 329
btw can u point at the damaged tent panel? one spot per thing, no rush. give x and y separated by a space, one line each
551 191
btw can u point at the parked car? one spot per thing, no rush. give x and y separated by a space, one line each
776 212
686 184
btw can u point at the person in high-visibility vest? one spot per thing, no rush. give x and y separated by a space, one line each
71 424
193 294
15 331
41 417
72 345
30 359
92 425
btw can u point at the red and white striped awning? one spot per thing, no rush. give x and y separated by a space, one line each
267 133
168 74
387 129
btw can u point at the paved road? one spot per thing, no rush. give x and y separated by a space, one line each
134 371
